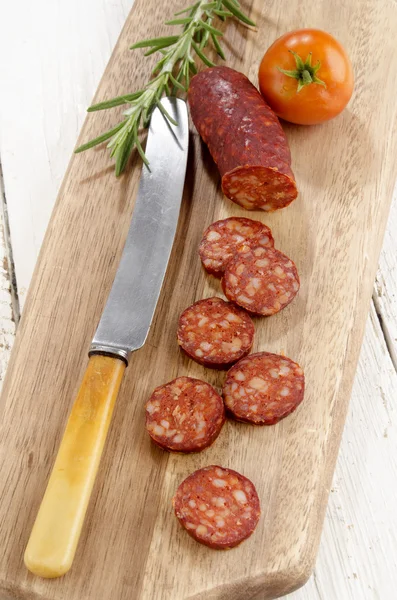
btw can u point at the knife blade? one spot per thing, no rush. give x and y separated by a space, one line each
128 313
123 328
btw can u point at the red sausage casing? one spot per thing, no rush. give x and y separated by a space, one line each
245 139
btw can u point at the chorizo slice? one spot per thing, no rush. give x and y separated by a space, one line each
263 388
245 139
222 238
261 280
184 415
215 333
218 507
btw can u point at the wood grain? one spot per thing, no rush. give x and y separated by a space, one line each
355 557
132 546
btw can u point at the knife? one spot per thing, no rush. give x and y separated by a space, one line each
123 328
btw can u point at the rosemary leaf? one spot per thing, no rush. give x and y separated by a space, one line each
176 83
141 151
124 152
118 140
193 68
204 39
199 36
154 79
160 64
114 102
179 77
160 41
139 146
217 46
211 29
147 113
223 13
233 8
186 74
155 49
179 21
100 138
166 113
187 9
201 55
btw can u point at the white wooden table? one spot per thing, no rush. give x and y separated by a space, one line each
53 53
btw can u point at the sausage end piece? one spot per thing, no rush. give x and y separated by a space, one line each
245 139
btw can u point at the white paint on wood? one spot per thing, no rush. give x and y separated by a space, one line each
385 292
7 321
52 56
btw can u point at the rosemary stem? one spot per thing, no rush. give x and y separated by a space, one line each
171 74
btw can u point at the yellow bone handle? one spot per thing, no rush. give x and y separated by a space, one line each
56 531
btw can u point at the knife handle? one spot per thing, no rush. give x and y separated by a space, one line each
56 531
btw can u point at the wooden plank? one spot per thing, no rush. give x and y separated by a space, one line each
70 267
72 74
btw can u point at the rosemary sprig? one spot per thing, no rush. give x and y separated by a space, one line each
170 76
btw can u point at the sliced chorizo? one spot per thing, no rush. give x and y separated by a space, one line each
263 388
261 280
184 415
218 507
215 333
245 139
222 238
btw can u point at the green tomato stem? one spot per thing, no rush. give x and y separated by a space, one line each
305 73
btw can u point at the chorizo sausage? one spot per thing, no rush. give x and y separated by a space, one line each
218 507
245 139
215 333
263 388
261 280
184 415
222 238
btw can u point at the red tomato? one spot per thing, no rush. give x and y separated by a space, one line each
306 77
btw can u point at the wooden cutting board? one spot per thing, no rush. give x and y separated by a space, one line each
132 546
